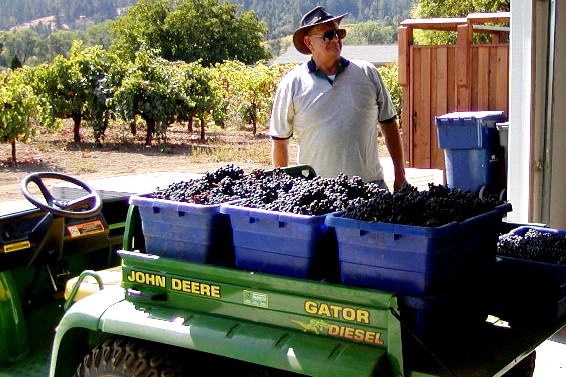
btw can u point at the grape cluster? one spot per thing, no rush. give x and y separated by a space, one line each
273 190
222 185
298 195
439 205
534 245
276 190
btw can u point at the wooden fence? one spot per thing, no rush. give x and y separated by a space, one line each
440 79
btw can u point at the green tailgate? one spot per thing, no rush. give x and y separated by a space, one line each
333 329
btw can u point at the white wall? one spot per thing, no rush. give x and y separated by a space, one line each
537 112
520 111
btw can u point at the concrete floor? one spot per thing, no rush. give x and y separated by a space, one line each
551 356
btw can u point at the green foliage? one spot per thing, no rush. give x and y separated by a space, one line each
283 16
21 44
72 13
152 89
143 24
452 8
250 89
78 87
370 32
17 105
191 30
227 29
200 95
390 75
19 108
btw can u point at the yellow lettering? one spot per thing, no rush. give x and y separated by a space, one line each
149 279
215 292
195 288
131 276
323 310
355 334
333 330
205 289
359 335
349 314
336 311
145 278
175 284
310 307
362 316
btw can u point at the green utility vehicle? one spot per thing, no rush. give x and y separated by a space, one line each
178 316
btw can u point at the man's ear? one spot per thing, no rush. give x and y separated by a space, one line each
307 42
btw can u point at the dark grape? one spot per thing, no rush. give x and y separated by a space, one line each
534 245
439 205
219 186
276 190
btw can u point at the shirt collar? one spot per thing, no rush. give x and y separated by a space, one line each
311 66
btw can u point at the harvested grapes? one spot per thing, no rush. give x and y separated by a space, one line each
534 245
437 206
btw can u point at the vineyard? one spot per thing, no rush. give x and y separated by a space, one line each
93 114
96 89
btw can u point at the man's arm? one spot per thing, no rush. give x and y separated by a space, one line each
280 152
392 136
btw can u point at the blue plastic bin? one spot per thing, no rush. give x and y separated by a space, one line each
472 149
438 318
187 231
528 292
282 243
416 260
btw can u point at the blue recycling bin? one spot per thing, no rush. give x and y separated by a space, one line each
472 149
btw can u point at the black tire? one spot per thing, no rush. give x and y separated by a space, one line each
123 357
525 367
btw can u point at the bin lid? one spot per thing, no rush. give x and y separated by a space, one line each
487 115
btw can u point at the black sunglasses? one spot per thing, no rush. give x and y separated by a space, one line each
331 34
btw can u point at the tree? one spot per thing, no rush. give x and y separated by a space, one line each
200 95
21 44
370 32
78 87
143 24
390 75
451 8
20 108
150 90
251 89
15 63
192 30
56 43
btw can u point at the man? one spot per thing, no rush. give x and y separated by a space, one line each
334 105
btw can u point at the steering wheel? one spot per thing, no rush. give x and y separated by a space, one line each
81 208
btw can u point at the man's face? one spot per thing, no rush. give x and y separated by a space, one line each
319 46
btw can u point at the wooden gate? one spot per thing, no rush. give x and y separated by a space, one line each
440 79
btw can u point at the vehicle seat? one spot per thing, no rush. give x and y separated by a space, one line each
110 277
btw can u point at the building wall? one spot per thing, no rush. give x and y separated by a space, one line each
537 121
558 139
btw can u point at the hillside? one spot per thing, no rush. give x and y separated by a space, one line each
281 16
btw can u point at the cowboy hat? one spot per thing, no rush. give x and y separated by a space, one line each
316 16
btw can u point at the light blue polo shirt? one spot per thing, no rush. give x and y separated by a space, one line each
335 120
